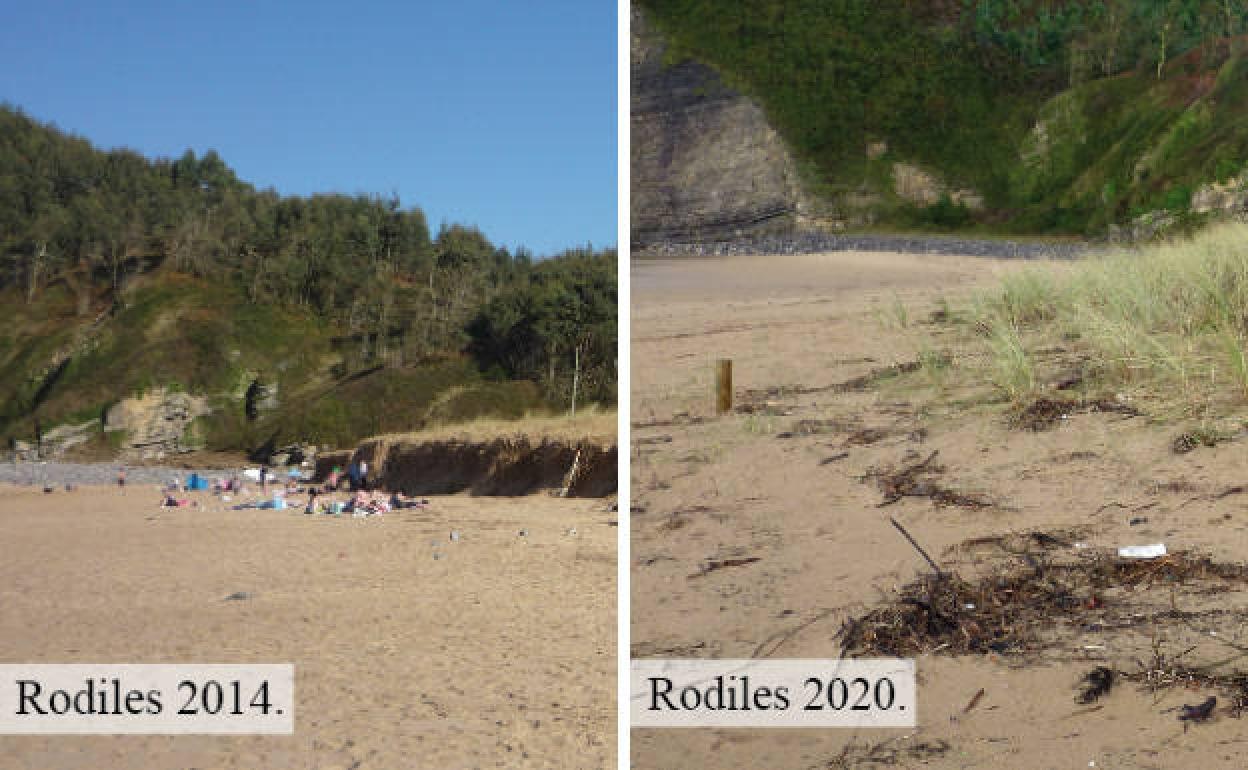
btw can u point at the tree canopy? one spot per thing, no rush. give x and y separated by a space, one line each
96 222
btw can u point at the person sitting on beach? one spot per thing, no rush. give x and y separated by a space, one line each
399 501
311 506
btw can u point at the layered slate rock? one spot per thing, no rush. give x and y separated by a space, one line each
157 422
705 164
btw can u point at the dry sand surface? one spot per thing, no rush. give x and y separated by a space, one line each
499 653
719 488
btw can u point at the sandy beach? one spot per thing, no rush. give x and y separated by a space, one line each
410 650
751 484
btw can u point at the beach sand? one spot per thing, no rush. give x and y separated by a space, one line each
708 487
500 653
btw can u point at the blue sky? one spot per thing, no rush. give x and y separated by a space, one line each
498 114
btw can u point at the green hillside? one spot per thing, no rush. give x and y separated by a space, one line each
1064 116
120 275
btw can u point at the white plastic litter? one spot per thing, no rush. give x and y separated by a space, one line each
1142 551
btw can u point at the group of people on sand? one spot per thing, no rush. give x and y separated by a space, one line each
363 501
356 477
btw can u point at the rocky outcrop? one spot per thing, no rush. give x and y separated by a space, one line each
23 451
705 165
922 188
1145 227
53 443
1229 197
157 423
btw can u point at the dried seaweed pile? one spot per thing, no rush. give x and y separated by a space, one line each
915 480
1234 686
1044 413
875 376
944 613
1009 611
810 427
768 400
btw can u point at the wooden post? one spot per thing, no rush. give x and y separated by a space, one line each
723 385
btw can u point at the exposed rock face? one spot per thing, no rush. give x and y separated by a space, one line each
1145 227
1230 197
925 189
705 165
53 443
157 423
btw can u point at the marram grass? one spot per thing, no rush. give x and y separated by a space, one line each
1169 319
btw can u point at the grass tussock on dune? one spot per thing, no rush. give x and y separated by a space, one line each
1167 323
591 424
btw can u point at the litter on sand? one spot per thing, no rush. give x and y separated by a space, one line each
1142 551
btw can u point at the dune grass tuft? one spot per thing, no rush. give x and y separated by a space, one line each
1170 319
593 424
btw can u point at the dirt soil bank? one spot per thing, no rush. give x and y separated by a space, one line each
502 466
798 478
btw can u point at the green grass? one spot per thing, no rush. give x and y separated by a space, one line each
172 331
380 402
1168 321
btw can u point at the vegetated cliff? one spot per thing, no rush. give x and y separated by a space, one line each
704 164
188 366
1073 117
153 307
